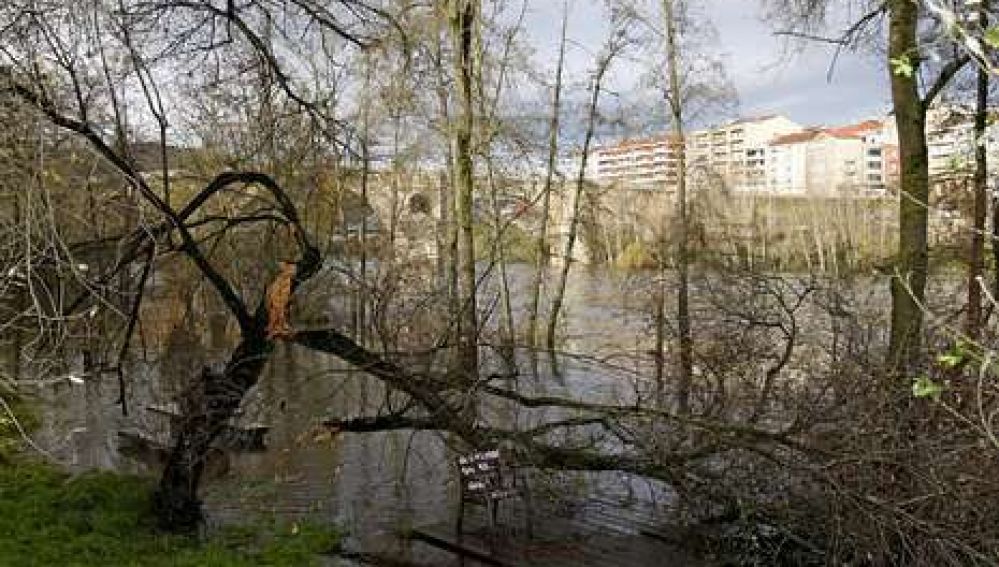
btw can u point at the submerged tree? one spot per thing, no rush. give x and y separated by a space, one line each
542 251
618 41
68 65
672 15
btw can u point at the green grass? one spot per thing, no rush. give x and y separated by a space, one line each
10 437
637 255
49 518
518 245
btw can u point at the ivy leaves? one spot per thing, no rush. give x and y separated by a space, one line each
958 356
902 66
925 387
991 37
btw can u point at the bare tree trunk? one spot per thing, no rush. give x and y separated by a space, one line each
488 110
462 19
909 281
659 320
448 235
508 335
995 246
20 301
541 261
362 290
213 398
396 173
570 243
686 362
443 229
131 216
976 260
176 499
453 275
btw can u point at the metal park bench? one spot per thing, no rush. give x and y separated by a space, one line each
487 480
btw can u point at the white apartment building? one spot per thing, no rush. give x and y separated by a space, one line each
736 153
648 162
768 154
850 160
788 162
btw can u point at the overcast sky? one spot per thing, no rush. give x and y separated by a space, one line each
768 78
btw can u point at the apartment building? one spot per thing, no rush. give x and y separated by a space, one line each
645 162
767 154
788 162
848 160
735 153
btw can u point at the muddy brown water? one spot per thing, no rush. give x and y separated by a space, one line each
373 486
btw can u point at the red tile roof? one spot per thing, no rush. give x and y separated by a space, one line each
754 119
855 130
796 137
843 132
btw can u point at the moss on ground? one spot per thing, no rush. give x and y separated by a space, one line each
50 518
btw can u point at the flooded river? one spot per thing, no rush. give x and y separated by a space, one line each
375 485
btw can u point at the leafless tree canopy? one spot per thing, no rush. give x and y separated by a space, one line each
173 169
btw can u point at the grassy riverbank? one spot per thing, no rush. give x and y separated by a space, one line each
51 518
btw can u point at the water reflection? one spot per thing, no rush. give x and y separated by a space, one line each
373 485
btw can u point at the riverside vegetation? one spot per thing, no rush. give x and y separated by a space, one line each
797 371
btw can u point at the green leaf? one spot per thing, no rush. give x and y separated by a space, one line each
956 356
902 66
950 359
991 37
923 387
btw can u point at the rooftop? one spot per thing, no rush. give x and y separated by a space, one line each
754 119
796 137
856 130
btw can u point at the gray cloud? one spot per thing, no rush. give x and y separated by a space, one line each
771 77
768 78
